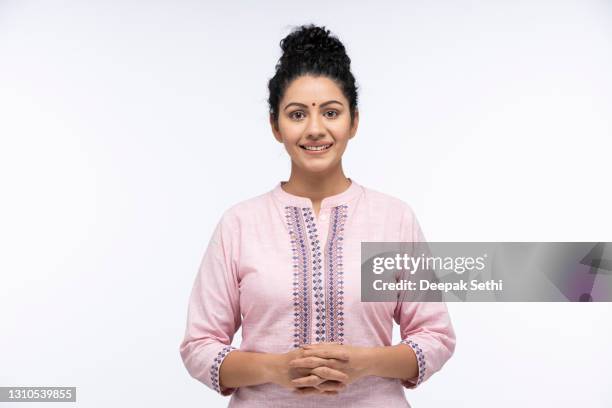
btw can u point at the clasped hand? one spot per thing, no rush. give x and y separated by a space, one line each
325 368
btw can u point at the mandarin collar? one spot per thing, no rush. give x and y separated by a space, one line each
353 191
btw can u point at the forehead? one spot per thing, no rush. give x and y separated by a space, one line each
312 89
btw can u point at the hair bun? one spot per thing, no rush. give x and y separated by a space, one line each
310 40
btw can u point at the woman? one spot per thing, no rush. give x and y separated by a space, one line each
286 265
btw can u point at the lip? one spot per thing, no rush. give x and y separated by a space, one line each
316 152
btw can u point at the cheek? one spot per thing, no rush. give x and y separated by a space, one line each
292 148
341 129
342 139
291 134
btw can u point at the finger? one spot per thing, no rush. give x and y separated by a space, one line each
314 362
309 381
308 362
330 374
314 390
327 353
299 372
329 392
307 390
331 386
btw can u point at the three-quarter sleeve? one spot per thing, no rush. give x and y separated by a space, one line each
214 309
424 326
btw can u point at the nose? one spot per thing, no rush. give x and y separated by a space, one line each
316 128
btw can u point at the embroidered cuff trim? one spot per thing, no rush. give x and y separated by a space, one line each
420 358
214 370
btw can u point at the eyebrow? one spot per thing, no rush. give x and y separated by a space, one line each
305 106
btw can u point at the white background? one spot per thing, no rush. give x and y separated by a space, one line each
128 127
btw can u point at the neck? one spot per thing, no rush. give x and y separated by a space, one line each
316 186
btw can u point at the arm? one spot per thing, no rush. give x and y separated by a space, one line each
392 361
214 310
244 368
425 327
427 332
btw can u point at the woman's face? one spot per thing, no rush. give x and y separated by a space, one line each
314 113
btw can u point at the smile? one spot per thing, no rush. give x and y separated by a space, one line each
316 148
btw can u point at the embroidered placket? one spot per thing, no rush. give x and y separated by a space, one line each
317 281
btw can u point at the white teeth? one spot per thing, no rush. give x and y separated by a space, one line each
316 147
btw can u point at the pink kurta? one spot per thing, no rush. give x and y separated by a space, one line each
291 278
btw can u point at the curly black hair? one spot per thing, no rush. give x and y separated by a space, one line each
312 50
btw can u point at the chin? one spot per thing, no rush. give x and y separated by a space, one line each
318 169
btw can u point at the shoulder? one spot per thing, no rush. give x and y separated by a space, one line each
396 212
246 209
387 202
235 217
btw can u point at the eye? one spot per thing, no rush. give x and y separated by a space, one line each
335 114
292 115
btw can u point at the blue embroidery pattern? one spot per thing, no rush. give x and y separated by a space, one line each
214 370
308 277
317 275
334 273
420 358
301 278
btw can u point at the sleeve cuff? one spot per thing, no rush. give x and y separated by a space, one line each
214 371
413 383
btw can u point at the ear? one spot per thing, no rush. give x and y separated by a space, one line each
275 131
355 124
